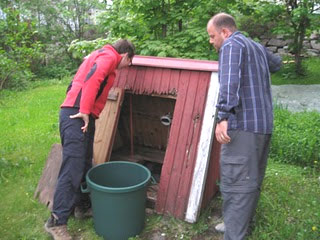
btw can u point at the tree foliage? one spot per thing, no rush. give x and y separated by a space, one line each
68 30
19 49
58 23
302 21
294 19
167 28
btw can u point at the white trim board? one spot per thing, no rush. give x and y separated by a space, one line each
204 151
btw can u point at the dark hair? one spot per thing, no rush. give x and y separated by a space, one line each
224 20
124 46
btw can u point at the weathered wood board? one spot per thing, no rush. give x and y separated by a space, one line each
47 183
106 126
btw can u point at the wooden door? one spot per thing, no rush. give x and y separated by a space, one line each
106 126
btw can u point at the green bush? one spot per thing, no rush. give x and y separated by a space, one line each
19 50
55 71
80 49
296 138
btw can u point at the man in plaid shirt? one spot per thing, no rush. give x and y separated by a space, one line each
245 121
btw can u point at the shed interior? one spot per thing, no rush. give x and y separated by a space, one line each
142 134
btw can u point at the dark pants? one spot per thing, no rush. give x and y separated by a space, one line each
242 165
77 156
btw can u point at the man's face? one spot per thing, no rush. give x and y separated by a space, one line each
125 61
216 36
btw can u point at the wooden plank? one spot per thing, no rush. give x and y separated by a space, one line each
163 96
47 183
173 143
174 82
176 63
106 127
165 81
128 83
141 154
121 78
141 71
157 78
145 86
113 95
182 153
213 174
202 81
203 153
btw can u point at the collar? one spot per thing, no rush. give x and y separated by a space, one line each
118 56
234 33
226 41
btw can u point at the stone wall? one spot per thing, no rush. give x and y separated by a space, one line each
278 44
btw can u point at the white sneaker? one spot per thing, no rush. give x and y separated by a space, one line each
221 228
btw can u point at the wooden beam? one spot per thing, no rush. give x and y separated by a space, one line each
47 183
204 151
175 63
106 126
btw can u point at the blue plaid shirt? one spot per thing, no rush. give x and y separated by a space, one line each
245 88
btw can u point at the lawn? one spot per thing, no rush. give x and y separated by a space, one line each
286 74
289 206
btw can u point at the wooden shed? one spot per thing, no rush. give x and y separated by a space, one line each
161 113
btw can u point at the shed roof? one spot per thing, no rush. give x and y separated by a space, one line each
175 63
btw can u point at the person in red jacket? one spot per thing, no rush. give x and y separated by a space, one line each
85 99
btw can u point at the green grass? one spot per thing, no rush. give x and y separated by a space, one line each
287 76
289 206
296 138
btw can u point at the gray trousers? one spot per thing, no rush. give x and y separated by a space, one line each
243 163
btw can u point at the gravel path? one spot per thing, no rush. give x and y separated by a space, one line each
297 98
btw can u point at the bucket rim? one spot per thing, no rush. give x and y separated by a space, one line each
92 184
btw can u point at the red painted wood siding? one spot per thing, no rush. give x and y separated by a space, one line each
191 89
213 174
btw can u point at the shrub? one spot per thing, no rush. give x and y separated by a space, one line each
56 70
80 49
19 50
296 138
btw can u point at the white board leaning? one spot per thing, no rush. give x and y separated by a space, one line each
204 151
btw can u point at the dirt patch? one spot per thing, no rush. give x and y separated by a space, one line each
167 228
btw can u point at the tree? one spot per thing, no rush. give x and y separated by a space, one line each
295 19
58 23
172 28
302 16
19 49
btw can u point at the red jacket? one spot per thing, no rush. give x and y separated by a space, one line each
89 88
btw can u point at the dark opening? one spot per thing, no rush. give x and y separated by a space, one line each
143 133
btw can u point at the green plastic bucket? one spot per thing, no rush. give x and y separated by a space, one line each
118 196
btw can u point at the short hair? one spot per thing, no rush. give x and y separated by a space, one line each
124 46
224 20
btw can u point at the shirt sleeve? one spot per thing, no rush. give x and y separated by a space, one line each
98 72
230 65
274 61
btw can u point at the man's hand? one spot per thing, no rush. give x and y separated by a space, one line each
85 118
221 132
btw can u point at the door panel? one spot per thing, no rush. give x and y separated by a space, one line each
106 126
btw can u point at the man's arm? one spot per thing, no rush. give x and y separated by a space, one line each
230 64
274 61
